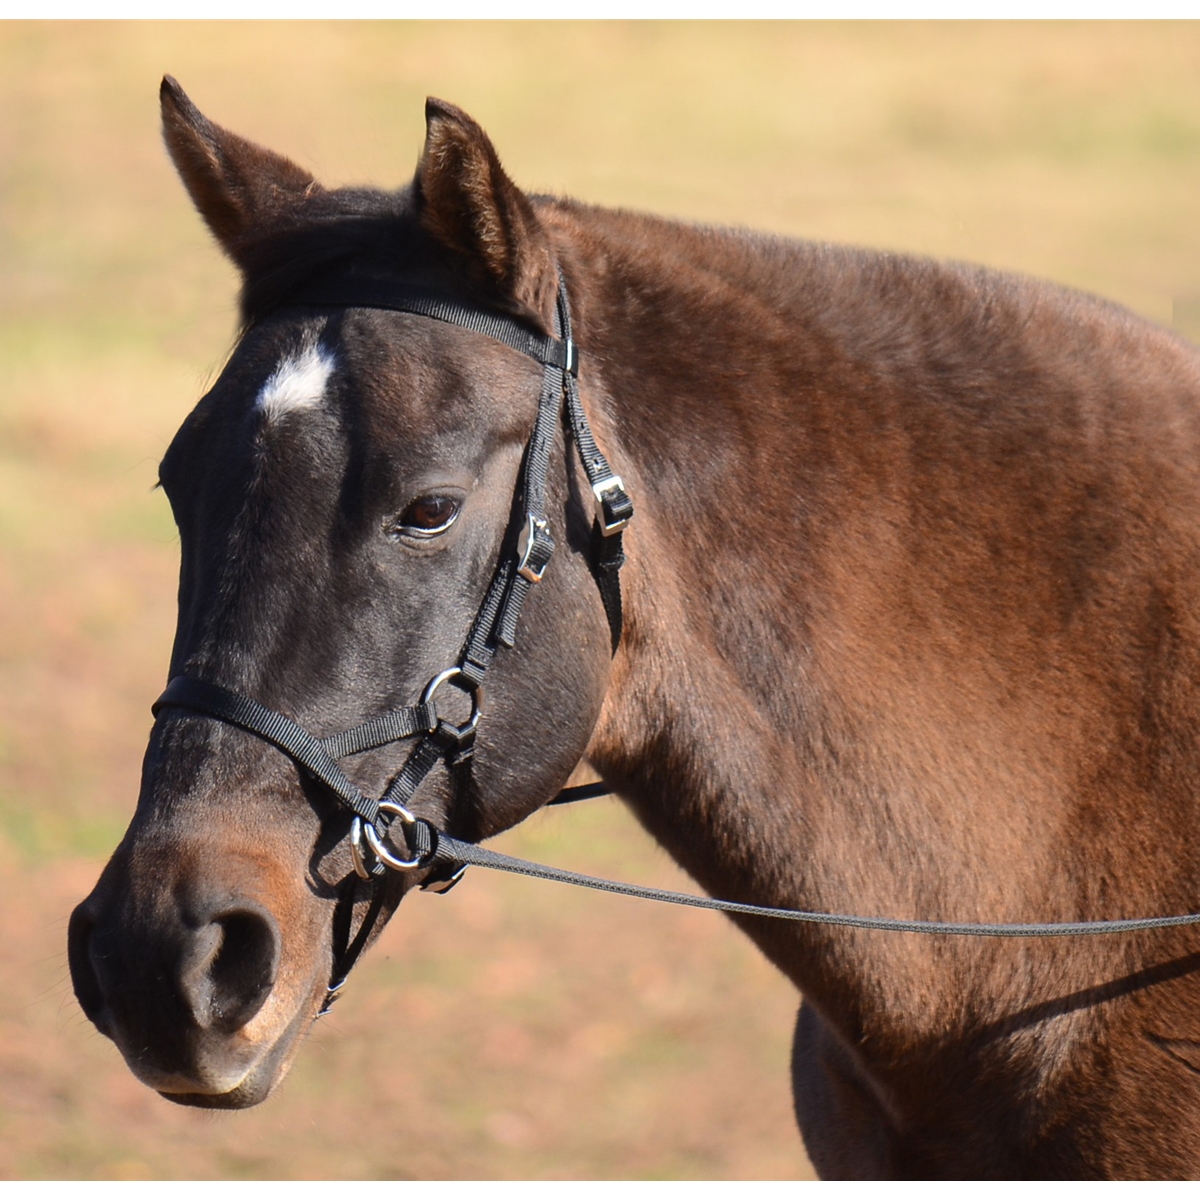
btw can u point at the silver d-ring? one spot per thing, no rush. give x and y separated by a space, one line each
452 675
357 857
379 846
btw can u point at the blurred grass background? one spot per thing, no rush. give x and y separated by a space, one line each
510 1029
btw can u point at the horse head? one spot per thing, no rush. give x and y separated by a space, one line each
345 495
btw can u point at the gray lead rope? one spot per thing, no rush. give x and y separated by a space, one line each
440 849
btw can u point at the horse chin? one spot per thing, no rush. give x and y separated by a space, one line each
253 1088
258 1082
251 1091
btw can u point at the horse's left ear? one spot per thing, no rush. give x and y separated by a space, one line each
240 189
471 207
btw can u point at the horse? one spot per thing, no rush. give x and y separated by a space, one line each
907 622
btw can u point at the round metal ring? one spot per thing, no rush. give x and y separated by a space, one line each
379 846
452 675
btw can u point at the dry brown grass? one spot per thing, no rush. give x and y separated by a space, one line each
508 1030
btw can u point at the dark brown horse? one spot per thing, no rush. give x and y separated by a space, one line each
911 627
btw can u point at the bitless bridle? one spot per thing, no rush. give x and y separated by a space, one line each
522 563
525 554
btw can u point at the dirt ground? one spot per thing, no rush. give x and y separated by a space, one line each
511 1029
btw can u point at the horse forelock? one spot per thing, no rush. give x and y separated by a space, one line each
338 231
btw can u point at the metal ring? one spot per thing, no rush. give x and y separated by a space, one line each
452 675
379 846
357 856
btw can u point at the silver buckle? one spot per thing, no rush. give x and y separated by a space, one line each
610 483
439 887
525 543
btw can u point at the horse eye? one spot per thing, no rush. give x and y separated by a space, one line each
428 516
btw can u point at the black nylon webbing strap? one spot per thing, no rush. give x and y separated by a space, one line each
479 649
395 297
282 732
346 952
581 791
514 601
391 727
535 542
447 850
615 509
429 752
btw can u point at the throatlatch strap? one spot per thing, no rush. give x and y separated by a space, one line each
581 791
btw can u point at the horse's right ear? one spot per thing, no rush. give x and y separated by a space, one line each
470 206
237 187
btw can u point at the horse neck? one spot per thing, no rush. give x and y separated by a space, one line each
770 719
717 728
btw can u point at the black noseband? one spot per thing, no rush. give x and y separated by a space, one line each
495 623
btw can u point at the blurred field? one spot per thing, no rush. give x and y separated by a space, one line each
510 1029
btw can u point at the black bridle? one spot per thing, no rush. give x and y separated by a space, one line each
530 546
442 857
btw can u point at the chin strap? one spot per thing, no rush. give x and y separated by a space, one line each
346 950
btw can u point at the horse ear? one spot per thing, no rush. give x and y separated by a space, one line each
471 207
237 187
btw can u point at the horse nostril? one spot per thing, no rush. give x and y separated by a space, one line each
79 957
231 968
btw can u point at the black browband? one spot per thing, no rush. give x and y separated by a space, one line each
495 623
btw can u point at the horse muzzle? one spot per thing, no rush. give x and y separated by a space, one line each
188 971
